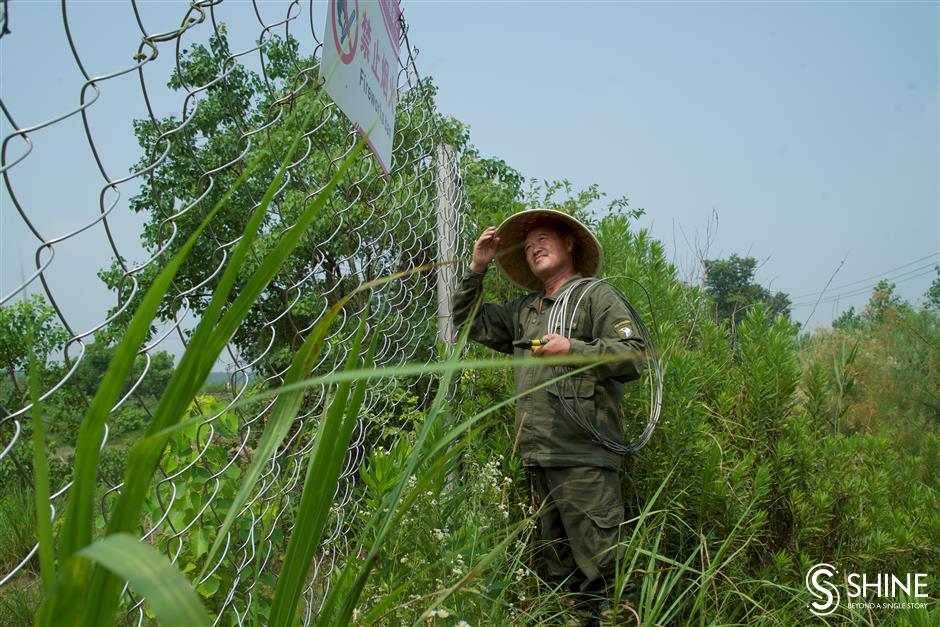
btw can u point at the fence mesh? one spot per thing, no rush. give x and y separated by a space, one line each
122 126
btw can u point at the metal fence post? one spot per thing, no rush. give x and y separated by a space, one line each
447 234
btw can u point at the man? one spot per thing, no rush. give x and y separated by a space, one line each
574 473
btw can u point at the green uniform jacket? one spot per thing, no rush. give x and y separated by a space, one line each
546 433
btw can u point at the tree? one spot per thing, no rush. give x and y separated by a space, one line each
932 297
731 283
848 320
28 321
883 299
97 358
368 228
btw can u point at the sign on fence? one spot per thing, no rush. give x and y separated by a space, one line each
360 65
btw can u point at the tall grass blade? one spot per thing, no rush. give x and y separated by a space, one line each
41 478
323 470
482 565
348 591
282 415
341 601
206 344
290 397
150 574
346 595
76 531
210 338
412 370
389 514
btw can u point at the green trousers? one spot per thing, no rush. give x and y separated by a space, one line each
580 520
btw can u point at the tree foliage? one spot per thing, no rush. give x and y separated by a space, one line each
332 257
932 297
156 369
894 372
29 316
26 321
731 283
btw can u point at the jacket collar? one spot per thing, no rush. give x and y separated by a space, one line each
540 296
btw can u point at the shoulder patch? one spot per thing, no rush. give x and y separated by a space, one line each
624 328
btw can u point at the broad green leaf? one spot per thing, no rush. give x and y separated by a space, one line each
199 542
209 587
150 574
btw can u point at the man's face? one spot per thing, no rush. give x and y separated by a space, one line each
547 251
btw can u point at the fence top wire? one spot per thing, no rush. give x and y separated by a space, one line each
122 124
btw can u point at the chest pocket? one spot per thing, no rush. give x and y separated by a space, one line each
579 328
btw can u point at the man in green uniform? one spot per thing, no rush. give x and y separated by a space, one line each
563 431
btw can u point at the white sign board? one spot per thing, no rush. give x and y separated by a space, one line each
360 66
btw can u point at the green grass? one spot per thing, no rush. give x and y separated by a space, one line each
19 599
17 527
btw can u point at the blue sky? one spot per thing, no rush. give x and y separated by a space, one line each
809 128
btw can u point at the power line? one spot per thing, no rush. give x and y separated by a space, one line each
879 276
859 291
828 283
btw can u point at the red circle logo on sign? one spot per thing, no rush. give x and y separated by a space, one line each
346 28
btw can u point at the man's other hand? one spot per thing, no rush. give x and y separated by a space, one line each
556 345
484 249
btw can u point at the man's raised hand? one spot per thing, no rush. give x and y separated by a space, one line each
484 249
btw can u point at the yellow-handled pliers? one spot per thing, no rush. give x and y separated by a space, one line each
530 344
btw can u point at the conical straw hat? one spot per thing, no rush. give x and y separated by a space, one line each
510 255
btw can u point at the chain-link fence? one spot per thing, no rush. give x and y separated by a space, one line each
123 124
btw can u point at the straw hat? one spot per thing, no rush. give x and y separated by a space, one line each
510 255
